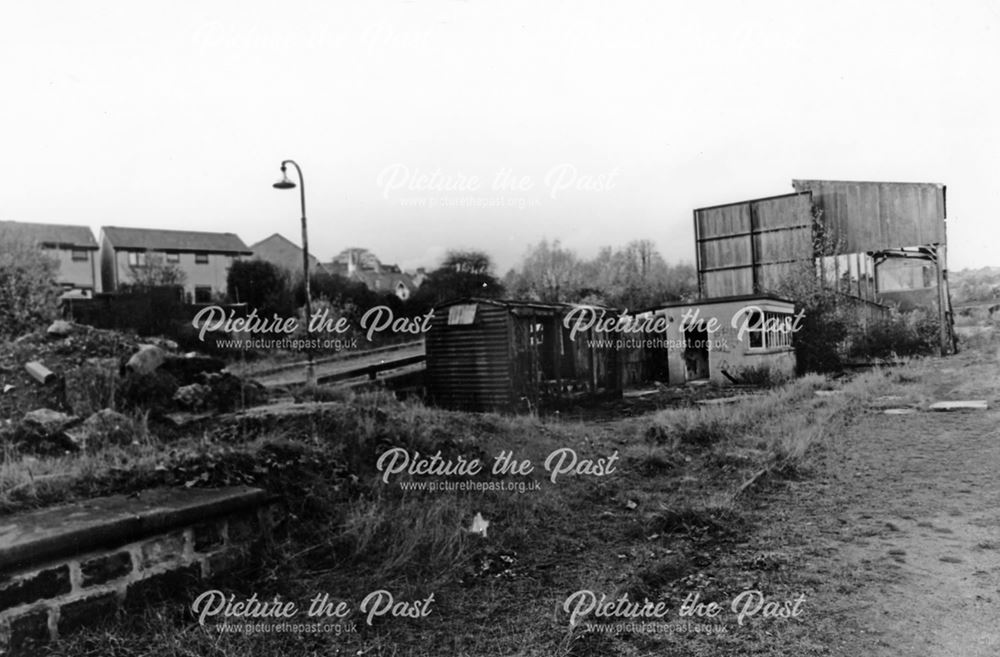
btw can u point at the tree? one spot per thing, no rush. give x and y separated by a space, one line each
462 274
156 272
29 296
261 285
636 276
548 273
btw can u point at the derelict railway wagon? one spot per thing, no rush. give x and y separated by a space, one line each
492 355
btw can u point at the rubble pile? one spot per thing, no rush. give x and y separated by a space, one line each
73 387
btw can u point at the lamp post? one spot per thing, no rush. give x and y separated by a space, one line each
285 183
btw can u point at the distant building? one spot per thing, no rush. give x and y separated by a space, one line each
358 264
74 247
281 251
204 258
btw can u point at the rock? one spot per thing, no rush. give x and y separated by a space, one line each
193 397
229 392
105 427
59 329
48 420
148 358
190 367
164 343
44 430
153 392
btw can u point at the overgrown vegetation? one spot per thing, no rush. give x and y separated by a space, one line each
915 333
676 498
28 294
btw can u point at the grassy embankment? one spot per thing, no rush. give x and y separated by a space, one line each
665 523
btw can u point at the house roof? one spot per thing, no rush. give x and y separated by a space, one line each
174 240
279 250
78 237
384 280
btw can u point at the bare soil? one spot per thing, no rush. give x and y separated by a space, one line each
899 527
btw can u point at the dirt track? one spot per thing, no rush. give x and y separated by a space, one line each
899 526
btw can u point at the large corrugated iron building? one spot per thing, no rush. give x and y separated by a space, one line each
751 246
875 216
863 238
493 355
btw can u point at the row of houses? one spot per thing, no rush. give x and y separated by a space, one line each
120 255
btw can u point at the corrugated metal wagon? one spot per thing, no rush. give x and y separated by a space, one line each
515 356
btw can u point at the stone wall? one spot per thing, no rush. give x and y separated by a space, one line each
64 568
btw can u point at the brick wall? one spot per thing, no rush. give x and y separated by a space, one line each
43 601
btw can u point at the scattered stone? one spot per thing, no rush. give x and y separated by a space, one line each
59 329
7 388
39 372
828 393
193 397
188 368
719 401
184 419
48 420
44 430
105 427
148 358
165 343
974 404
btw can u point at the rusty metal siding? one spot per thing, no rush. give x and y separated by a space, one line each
870 216
514 356
753 246
469 367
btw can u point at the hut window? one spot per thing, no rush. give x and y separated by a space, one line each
462 314
755 330
536 333
769 330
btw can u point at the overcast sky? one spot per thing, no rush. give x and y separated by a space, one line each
423 126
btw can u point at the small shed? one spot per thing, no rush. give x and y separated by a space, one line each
502 355
724 340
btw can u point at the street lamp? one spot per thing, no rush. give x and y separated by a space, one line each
285 183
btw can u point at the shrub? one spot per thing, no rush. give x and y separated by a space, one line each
28 294
900 334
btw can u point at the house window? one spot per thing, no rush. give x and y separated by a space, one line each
136 259
173 258
201 258
80 255
202 294
769 330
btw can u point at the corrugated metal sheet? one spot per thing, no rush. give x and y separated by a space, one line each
751 247
469 366
870 216
513 356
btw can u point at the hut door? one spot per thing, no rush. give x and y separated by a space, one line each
695 354
527 374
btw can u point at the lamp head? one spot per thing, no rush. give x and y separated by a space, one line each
284 183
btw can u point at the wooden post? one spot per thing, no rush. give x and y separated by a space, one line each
942 320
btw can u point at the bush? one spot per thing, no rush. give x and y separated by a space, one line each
900 334
29 296
261 285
